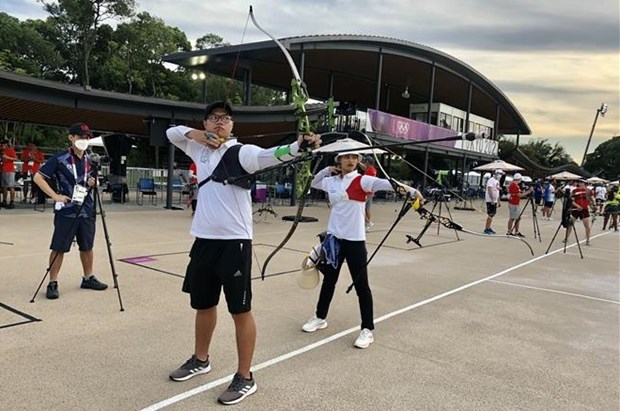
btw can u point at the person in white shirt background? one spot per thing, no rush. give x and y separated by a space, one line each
492 199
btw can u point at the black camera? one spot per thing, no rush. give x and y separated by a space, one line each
98 158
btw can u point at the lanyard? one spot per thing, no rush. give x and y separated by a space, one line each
74 169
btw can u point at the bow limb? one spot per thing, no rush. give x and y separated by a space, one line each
452 225
299 97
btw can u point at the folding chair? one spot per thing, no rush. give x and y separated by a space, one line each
146 187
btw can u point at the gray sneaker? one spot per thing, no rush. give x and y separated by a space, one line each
238 389
191 368
52 290
93 283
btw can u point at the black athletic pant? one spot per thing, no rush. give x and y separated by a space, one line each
354 252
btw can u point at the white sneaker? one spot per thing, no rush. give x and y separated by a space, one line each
365 339
314 324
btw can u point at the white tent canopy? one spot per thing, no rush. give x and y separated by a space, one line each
349 144
498 165
565 175
596 180
95 142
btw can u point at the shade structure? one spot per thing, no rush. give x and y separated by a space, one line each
95 142
349 144
498 165
565 175
596 180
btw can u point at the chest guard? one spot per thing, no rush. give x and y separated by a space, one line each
229 169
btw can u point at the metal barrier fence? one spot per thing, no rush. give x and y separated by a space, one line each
159 176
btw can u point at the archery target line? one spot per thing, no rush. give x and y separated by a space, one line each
226 379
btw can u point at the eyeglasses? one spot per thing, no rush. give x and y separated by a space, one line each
214 119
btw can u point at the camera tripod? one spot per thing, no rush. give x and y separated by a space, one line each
534 208
94 191
570 223
262 212
567 222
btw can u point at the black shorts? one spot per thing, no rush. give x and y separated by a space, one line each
581 214
67 228
491 209
220 263
549 204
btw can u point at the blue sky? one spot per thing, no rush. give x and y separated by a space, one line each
556 60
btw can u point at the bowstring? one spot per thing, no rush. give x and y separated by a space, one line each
226 100
454 193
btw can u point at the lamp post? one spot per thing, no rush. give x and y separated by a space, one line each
203 77
601 110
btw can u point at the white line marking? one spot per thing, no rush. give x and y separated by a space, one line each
555 291
299 351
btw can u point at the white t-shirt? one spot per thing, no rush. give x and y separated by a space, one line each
223 211
600 193
491 194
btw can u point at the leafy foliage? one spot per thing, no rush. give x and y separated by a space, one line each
539 151
24 50
79 21
605 159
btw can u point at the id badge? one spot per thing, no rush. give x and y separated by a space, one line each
79 194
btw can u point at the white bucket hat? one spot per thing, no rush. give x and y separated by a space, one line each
309 277
359 155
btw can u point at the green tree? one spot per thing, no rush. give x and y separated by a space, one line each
540 151
209 41
605 159
24 50
505 147
79 21
141 44
545 154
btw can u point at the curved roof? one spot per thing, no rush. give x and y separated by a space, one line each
36 101
347 66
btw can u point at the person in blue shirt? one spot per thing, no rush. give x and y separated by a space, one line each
74 216
538 193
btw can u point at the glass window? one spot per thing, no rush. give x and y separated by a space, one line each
434 118
445 120
457 123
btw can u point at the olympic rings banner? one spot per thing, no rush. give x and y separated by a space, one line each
407 129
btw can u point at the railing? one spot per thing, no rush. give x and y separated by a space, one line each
160 177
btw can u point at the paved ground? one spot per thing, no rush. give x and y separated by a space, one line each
471 324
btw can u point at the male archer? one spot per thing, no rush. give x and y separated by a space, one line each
221 256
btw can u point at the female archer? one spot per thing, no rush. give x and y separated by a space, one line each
347 192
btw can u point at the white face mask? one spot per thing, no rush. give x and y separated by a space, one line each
81 144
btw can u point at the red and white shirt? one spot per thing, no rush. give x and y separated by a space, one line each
347 196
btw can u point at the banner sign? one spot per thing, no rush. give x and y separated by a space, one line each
407 129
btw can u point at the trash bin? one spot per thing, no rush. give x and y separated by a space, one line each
261 193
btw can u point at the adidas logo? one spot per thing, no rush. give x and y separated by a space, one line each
237 274
245 389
